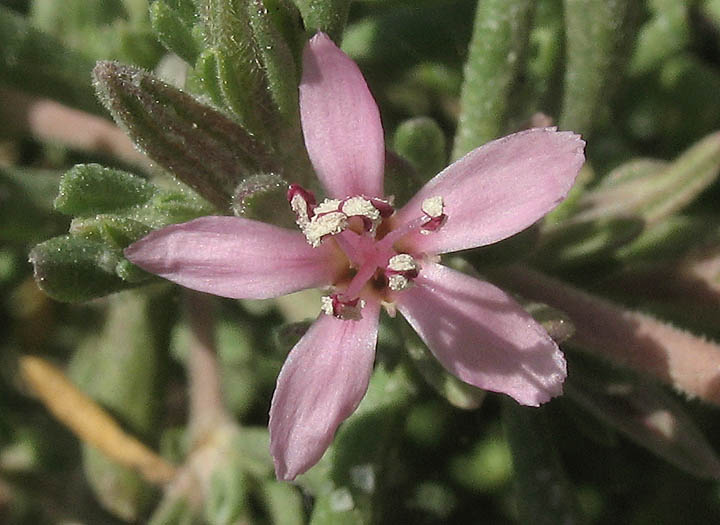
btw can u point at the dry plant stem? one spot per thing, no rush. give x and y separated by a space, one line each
90 422
689 363
207 409
50 121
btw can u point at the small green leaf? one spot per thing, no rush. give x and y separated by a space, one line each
263 197
173 32
75 269
421 142
110 229
196 143
328 16
557 324
88 189
283 502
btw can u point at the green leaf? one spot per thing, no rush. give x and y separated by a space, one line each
540 83
328 16
666 33
25 210
644 413
580 242
671 239
203 78
653 190
120 490
283 502
173 32
421 142
277 59
263 197
544 494
196 143
363 452
88 189
41 65
227 499
495 58
75 269
120 370
241 79
598 39
556 323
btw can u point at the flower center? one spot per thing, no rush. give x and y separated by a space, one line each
353 223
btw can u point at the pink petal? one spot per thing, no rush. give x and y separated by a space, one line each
498 189
235 257
320 385
340 122
481 335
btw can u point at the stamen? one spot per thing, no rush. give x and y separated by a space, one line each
385 207
400 271
342 308
327 206
323 225
355 206
433 208
302 202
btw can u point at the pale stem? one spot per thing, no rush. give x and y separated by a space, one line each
689 363
50 121
207 408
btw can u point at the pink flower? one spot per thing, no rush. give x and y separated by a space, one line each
370 255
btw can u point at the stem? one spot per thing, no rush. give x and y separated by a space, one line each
207 409
50 121
90 422
689 363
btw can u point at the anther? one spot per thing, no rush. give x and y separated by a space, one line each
342 308
434 209
400 271
302 203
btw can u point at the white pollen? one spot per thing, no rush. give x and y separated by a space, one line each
433 207
402 263
398 282
328 205
326 305
355 206
300 207
322 225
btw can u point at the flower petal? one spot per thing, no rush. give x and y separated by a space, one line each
340 122
498 189
321 383
235 257
481 335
